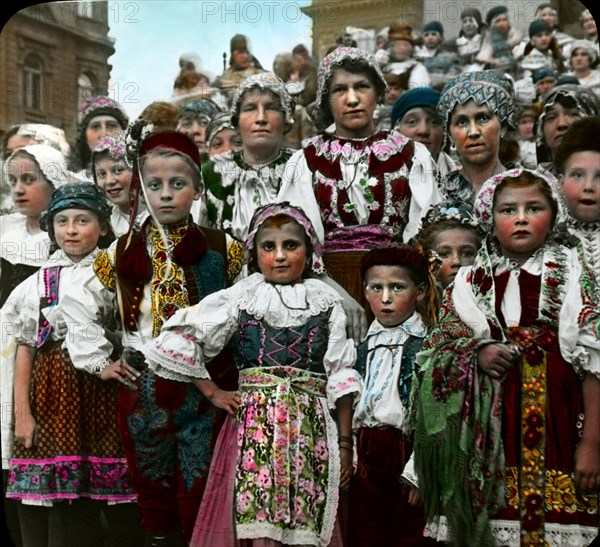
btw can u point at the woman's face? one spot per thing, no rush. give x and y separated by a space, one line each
541 41
548 15
580 60
401 50
352 100
475 131
224 140
589 26
423 125
99 126
469 26
261 120
557 120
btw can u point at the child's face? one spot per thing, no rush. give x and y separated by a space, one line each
224 140
281 252
589 26
581 185
475 130
423 125
169 188
456 247
545 84
114 178
261 120
501 23
30 190
469 26
392 94
541 41
77 232
526 128
392 294
431 40
99 126
522 220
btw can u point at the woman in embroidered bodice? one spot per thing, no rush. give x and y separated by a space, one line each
359 187
508 402
237 182
280 458
476 110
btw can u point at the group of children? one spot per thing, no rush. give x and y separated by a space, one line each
172 385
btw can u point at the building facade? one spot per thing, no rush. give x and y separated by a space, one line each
53 56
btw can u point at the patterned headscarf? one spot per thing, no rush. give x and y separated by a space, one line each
266 81
218 123
484 202
319 111
202 109
285 208
585 100
51 162
100 106
80 195
486 87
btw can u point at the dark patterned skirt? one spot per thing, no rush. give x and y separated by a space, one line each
77 451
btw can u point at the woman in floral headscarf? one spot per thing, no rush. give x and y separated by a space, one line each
237 182
97 117
502 452
562 106
477 111
359 187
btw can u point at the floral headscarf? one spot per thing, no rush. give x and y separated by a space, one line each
51 162
204 109
484 202
99 106
266 81
486 87
585 99
285 208
319 111
116 147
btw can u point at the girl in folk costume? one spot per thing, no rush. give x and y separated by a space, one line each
578 164
507 446
67 460
111 169
277 467
168 428
359 187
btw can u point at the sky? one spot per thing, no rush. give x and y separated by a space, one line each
151 35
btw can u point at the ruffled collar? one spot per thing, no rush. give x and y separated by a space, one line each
382 145
582 226
284 305
233 169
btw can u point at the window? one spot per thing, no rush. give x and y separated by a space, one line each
86 9
86 88
32 82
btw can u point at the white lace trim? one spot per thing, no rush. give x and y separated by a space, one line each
507 533
285 305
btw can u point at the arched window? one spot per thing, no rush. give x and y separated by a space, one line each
32 82
86 9
86 88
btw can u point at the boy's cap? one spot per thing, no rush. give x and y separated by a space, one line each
494 12
542 73
172 140
538 26
238 43
434 26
